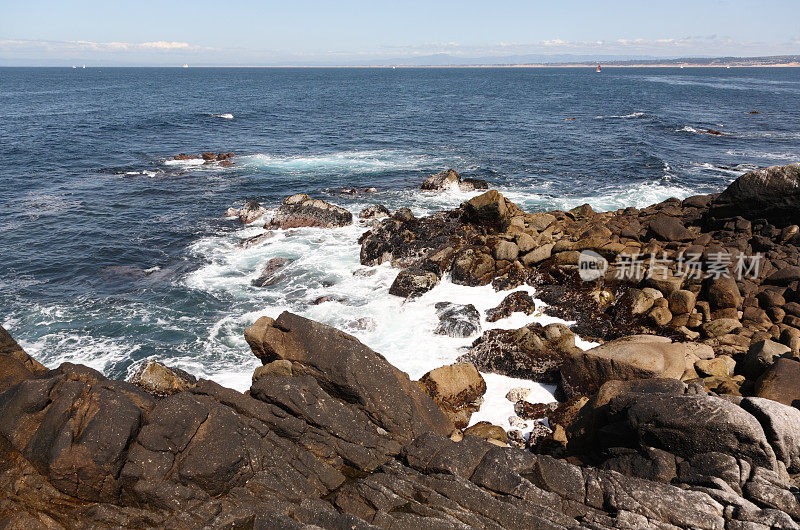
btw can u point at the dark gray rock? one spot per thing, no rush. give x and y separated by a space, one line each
457 320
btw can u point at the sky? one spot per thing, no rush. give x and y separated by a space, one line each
202 32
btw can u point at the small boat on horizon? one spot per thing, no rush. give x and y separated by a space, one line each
185 65
598 69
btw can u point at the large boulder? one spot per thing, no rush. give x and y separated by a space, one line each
300 210
457 388
668 228
632 357
532 352
779 382
771 193
349 370
687 425
490 209
413 281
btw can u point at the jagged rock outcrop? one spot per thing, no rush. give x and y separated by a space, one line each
300 210
307 446
771 193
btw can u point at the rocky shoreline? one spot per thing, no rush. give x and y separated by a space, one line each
685 416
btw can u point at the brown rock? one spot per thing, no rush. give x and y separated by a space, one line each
456 388
779 382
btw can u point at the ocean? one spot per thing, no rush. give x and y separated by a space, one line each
113 253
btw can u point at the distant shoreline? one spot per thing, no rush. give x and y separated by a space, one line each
592 65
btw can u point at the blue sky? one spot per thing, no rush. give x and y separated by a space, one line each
361 32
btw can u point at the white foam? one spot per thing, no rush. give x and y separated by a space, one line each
186 162
225 116
497 410
631 115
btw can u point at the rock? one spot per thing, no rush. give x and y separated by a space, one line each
722 293
457 320
448 179
300 210
668 228
374 212
781 425
349 370
471 267
486 431
518 301
633 357
256 240
720 327
784 276
506 250
270 274
532 352
279 368
517 394
160 380
779 382
760 356
660 316
469 184
457 389
721 366
413 282
250 212
771 193
531 411
681 302
538 255
490 209
689 425
639 301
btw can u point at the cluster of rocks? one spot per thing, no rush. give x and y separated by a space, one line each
223 159
451 180
331 435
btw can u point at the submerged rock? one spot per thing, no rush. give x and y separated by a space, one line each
270 274
450 179
300 210
457 320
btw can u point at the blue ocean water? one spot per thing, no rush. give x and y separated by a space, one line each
111 254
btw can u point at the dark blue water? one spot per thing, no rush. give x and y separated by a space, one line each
110 255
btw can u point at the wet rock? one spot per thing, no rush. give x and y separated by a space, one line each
448 179
374 212
270 274
256 240
770 193
473 267
161 380
533 352
250 212
457 320
457 389
490 209
519 301
413 282
300 210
